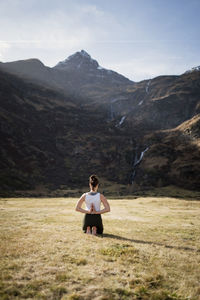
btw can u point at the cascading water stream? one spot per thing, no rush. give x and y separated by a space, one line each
135 163
112 113
141 157
147 86
121 121
146 90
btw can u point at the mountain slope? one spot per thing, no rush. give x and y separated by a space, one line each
78 75
47 139
161 103
59 125
173 157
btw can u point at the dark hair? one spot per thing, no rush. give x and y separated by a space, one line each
93 180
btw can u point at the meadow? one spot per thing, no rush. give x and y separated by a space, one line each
150 250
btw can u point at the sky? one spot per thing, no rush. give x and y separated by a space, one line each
140 39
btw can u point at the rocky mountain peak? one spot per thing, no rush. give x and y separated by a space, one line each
195 69
78 60
85 69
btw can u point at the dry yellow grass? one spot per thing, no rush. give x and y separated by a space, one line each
150 250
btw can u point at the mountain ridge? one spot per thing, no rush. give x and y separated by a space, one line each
66 79
139 135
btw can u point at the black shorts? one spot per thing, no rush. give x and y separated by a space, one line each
93 220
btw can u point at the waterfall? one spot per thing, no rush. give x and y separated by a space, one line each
141 157
136 162
147 86
121 121
140 103
146 90
132 176
115 109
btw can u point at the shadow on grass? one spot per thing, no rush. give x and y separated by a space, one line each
117 237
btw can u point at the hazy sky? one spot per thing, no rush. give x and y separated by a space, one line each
138 38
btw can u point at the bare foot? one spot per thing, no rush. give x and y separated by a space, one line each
88 231
94 230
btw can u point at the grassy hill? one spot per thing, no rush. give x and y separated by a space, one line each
150 250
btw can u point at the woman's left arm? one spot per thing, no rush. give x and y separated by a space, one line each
106 205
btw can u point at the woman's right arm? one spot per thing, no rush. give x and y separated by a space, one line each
79 204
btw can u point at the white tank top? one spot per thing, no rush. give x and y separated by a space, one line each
93 199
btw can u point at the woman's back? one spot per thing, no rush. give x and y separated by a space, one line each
93 198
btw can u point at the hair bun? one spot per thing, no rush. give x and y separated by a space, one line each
94 181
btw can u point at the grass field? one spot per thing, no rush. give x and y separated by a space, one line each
150 250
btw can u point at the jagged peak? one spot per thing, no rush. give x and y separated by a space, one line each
194 69
81 53
84 53
81 61
79 56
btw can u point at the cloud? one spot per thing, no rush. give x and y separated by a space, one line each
3 48
60 28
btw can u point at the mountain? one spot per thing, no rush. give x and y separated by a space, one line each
60 124
78 75
81 64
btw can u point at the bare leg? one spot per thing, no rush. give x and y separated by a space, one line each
94 230
88 231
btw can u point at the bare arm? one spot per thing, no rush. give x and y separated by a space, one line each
106 205
79 204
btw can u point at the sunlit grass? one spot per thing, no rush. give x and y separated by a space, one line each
150 250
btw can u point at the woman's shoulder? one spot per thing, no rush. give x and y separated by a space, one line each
83 195
101 196
86 194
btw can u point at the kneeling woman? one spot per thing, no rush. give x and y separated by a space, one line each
92 221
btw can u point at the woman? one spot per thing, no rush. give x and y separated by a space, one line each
92 221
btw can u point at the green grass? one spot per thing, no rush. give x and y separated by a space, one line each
150 250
